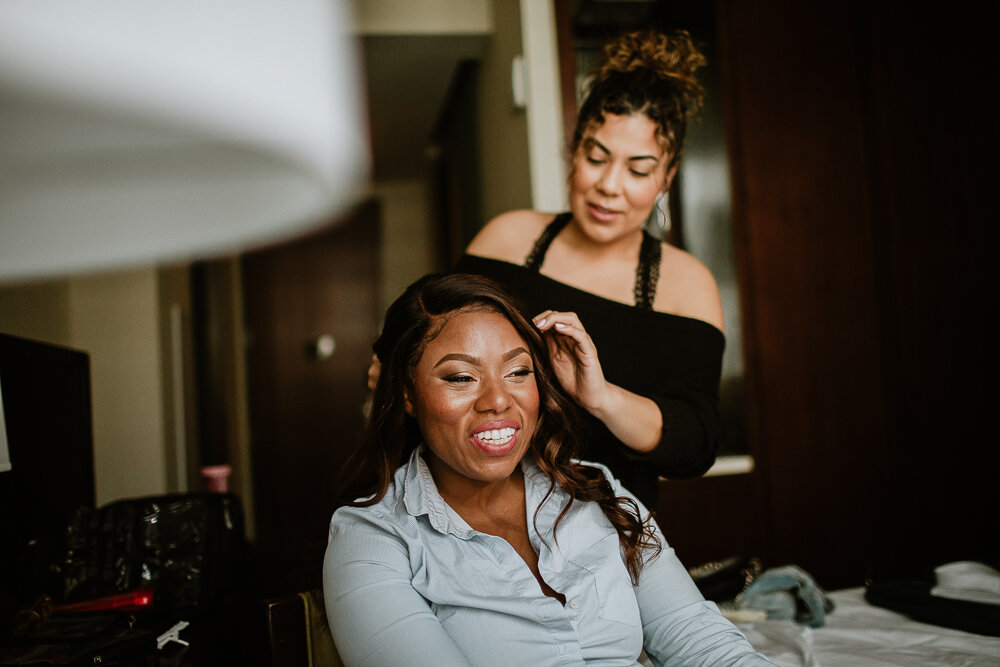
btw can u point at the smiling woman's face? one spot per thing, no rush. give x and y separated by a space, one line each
619 170
475 399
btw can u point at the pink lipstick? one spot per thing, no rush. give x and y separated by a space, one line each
602 214
496 438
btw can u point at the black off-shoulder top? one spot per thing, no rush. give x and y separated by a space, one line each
675 361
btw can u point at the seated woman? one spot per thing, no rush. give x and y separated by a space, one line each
477 538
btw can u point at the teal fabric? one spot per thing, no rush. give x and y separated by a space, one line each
788 593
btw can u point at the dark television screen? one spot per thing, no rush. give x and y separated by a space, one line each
45 391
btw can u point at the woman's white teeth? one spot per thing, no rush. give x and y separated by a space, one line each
496 435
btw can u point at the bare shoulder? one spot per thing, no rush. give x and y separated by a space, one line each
687 288
509 236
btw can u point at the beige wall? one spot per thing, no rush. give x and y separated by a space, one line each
115 318
406 249
177 370
546 148
503 128
407 236
39 311
413 17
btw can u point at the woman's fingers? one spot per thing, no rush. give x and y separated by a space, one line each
574 356
542 319
553 319
374 370
566 325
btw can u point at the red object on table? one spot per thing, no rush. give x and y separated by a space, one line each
140 598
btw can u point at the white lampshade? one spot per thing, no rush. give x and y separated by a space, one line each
134 131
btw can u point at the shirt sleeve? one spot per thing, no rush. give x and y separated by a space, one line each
688 399
690 437
679 626
376 616
679 368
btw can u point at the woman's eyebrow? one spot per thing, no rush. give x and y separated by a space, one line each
456 356
469 359
517 351
631 159
600 145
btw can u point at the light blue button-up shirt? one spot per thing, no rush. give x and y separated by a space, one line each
408 582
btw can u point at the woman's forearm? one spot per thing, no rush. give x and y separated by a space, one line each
633 419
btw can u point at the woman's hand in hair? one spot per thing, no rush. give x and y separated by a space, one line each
374 370
635 420
574 358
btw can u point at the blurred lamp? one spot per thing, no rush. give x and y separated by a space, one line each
134 131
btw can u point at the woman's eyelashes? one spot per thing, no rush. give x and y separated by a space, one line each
601 160
517 374
521 373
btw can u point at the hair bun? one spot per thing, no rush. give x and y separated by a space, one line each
672 57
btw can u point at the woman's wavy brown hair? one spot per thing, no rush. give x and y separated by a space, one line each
411 322
647 73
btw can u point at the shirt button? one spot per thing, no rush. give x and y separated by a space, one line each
573 604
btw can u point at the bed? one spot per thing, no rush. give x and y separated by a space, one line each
858 634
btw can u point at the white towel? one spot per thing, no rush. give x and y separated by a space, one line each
968 580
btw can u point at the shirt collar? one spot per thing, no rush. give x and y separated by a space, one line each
421 496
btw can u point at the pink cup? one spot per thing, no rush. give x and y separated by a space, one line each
216 478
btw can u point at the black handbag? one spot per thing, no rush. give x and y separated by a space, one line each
726 580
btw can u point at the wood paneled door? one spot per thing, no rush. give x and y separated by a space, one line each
311 318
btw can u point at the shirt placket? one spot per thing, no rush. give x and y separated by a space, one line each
559 621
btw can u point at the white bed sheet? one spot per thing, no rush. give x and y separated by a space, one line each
858 634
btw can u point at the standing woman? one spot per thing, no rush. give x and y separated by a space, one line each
634 324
